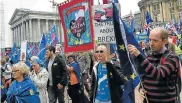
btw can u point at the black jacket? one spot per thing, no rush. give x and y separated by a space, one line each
59 72
115 79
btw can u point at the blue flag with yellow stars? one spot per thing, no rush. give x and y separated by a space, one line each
51 35
125 62
148 18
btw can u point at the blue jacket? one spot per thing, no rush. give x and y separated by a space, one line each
23 92
76 69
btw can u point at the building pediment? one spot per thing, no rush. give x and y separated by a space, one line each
18 13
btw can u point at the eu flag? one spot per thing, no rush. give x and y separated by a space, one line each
148 18
51 35
42 48
129 31
55 41
125 62
42 43
15 54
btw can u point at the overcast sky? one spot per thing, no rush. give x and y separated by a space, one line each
45 5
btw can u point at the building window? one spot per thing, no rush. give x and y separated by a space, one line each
156 19
171 5
155 7
179 2
180 14
172 16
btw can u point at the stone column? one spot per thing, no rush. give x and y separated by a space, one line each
16 36
176 12
19 34
27 33
47 26
38 37
13 32
151 9
24 30
30 30
161 12
21 26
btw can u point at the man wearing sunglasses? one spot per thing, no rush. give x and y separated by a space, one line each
106 80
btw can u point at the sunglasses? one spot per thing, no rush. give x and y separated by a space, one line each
101 51
14 71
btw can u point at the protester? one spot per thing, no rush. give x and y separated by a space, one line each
106 80
6 71
40 76
56 67
83 60
160 69
22 89
74 88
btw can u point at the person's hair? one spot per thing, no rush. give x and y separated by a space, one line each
51 48
7 58
22 67
34 57
3 61
72 56
163 33
103 46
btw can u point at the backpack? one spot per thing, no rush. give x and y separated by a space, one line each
178 76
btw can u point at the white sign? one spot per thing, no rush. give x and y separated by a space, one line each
23 51
103 23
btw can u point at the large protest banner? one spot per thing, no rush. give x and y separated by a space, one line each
103 23
77 26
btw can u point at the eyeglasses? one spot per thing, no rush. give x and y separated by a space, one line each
99 51
14 71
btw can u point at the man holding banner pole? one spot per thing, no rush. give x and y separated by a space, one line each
161 67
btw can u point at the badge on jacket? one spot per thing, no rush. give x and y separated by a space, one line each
55 64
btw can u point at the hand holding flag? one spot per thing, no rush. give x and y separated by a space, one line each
133 50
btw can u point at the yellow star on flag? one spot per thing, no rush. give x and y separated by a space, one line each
76 42
68 31
132 76
125 78
121 47
71 39
31 92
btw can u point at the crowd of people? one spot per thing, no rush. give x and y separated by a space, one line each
95 77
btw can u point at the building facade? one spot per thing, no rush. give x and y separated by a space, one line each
2 25
30 25
137 20
161 11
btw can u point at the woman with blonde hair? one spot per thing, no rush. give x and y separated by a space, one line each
22 89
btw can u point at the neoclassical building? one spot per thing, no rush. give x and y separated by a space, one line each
161 11
30 25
